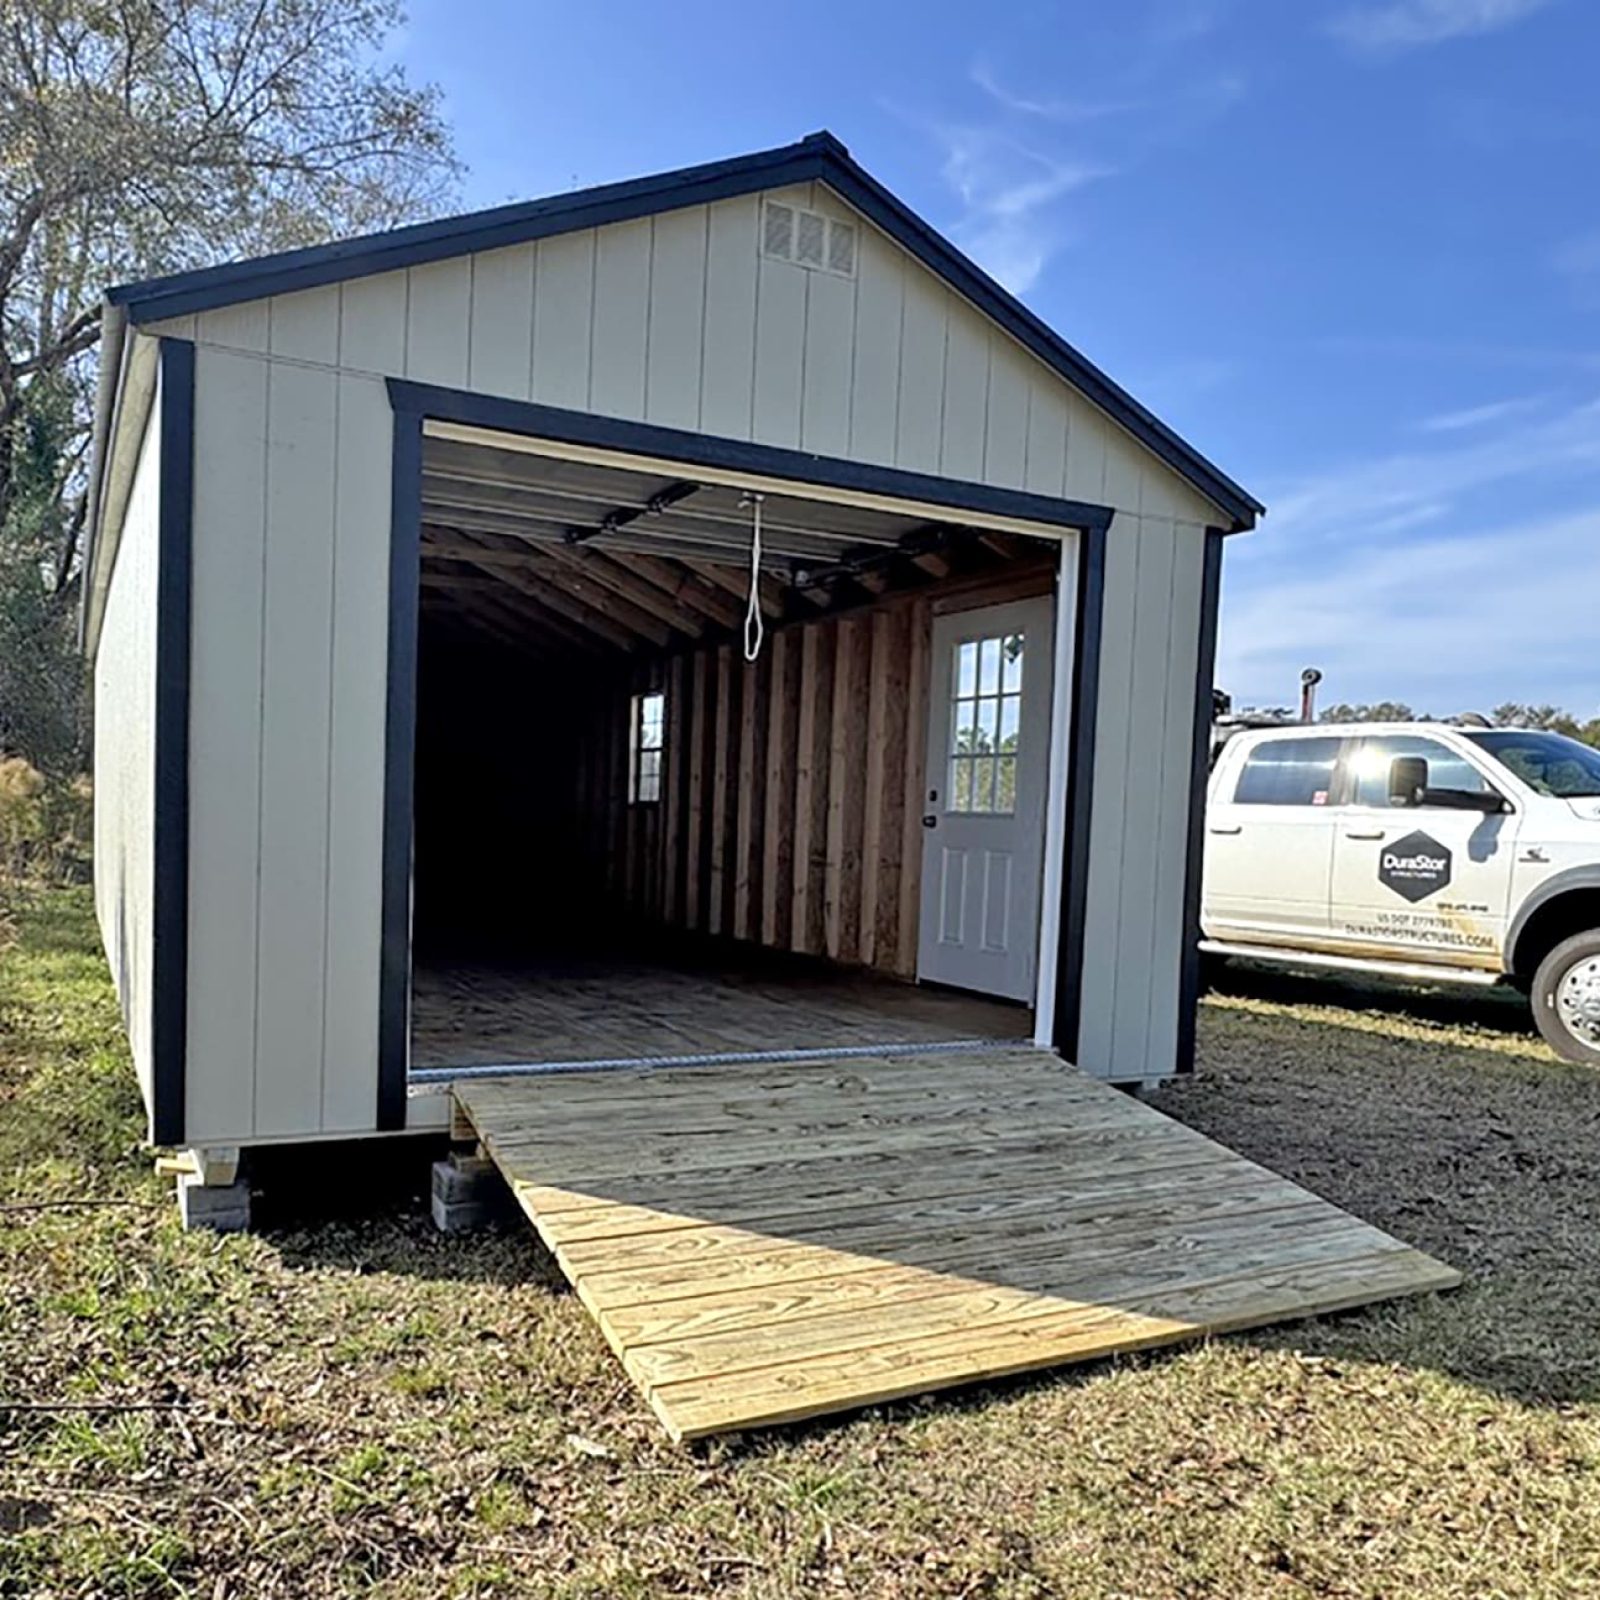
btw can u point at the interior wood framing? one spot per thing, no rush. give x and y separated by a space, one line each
792 791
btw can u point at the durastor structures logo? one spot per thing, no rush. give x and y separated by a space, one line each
1414 867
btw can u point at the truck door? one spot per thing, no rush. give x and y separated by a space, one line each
1421 882
1269 842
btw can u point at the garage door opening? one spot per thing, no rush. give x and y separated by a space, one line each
633 844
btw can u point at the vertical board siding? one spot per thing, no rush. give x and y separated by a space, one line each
230 499
302 455
875 357
919 422
125 758
826 375
966 397
304 326
355 801
563 302
1139 827
439 322
619 331
500 341
1005 445
372 323
728 344
677 318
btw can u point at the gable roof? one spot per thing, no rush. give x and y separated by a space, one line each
820 157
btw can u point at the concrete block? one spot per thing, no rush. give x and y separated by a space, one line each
219 1208
471 1178
463 1216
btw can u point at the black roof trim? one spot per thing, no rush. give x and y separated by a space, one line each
819 157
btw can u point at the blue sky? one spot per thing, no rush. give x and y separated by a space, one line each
1349 248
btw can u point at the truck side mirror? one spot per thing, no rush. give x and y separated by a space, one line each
1408 779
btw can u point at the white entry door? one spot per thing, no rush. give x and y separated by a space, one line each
983 815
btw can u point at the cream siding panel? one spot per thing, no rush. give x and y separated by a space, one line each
302 451
1048 426
230 465
561 316
1005 446
305 326
1086 457
183 327
1112 732
677 318
1124 471
826 376
921 415
966 394
621 314
124 756
1168 931
1142 799
728 368
500 345
438 322
875 374
1162 493
372 323
780 352
358 695
241 327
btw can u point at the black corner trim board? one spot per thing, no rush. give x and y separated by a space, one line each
400 725
1199 781
1080 789
819 158
733 455
169 1019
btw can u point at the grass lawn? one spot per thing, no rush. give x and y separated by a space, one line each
359 1407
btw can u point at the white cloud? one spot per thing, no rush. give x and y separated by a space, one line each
1402 578
1476 416
1406 24
1446 624
1006 191
1049 109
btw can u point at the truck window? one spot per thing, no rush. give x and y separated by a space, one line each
1446 769
1288 772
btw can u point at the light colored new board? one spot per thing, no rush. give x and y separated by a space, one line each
762 1244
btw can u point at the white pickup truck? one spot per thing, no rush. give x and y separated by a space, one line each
1435 851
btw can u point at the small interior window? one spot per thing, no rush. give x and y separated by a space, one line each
647 735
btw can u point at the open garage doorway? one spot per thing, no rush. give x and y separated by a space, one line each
632 843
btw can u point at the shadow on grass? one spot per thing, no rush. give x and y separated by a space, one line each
1500 1010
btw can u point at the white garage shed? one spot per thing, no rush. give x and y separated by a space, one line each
702 618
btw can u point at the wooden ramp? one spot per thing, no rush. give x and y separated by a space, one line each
761 1244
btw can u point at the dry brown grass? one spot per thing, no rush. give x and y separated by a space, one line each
359 1407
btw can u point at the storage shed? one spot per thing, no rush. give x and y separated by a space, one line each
698 619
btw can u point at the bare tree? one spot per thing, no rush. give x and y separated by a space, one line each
140 137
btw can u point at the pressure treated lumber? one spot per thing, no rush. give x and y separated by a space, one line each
765 1243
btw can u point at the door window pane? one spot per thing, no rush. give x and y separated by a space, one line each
985 722
1288 772
1446 769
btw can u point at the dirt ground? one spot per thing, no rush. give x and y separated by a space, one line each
352 1405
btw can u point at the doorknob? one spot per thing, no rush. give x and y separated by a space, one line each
1368 833
930 820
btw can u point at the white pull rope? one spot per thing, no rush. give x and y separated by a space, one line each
755 628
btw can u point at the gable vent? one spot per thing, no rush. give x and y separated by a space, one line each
808 239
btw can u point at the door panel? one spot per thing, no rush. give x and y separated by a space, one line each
1422 882
1269 844
988 766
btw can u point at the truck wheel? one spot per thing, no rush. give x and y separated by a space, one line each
1566 998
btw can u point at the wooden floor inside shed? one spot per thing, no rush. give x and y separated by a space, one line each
764 1244
693 1000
